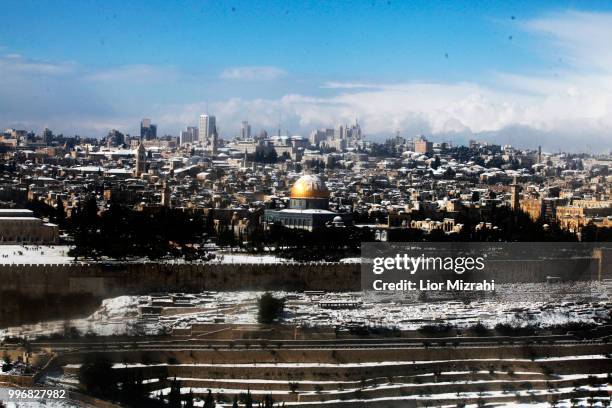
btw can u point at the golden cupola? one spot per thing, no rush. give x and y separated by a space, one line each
309 187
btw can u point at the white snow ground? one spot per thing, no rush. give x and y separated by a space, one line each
160 313
34 254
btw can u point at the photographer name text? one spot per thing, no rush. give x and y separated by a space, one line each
427 285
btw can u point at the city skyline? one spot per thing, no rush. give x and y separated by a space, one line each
514 73
315 204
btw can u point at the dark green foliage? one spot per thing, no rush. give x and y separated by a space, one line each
209 401
7 365
268 401
479 329
97 377
247 399
269 308
328 244
265 156
590 233
189 400
133 392
434 329
60 214
174 396
510 330
121 233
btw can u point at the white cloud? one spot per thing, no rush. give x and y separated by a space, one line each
253 73
573 104
348 85
135 74
17 64
581 38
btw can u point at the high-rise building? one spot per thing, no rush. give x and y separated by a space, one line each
353 135
148 131
189 136
184 137
208 133
245 130
423 146
317 136
193 133
339 138
47 136
115 138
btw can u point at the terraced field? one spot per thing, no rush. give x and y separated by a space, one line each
366 372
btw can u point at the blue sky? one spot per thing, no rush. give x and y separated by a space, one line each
449 69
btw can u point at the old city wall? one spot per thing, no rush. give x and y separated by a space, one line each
104 280
30 293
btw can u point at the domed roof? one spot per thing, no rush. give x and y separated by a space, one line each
309 186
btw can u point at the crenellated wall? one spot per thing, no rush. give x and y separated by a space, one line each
35 292
105 280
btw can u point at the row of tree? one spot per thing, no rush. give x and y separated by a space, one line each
99 379
120 232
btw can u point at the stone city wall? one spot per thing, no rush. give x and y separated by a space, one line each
105 280
31 293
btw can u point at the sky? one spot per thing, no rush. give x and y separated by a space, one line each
525 73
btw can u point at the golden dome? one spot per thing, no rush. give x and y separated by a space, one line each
309 186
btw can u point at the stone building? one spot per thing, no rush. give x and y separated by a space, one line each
19 226
308 207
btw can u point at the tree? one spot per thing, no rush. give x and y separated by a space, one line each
436 163
60 214
209 401
133 392
6 365
189 400
121 232
269 308
268 401
174 396
591 233
248 399
98 378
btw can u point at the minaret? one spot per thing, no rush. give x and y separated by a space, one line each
141 160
